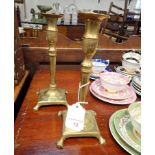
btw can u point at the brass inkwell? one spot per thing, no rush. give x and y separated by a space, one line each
51 95
90 42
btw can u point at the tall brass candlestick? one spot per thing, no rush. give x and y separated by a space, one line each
51 95
90 41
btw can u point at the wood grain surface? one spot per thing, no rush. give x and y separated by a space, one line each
36 133
69 51
105 43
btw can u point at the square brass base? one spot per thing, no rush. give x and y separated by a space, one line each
51 97
90 128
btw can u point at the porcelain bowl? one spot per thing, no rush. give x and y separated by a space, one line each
131 61
113 82
134 110
99 65
44 8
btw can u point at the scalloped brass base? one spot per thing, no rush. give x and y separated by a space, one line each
51 97
90 128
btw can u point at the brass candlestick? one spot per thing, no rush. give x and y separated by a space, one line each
90 41
51 95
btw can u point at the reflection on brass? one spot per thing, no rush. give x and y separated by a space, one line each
90 41
51 95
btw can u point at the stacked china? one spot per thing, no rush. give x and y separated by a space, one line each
136 84
113 88
125 127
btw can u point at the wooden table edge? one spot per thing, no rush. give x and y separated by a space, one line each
18 88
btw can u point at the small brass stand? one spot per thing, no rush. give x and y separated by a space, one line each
90 41
51 95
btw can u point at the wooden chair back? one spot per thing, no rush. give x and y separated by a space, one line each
115 24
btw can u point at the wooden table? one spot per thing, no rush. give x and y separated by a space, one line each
37 132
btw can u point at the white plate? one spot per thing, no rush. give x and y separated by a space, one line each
137 80
136 90
135 86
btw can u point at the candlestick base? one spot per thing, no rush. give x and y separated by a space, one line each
90 128
51 97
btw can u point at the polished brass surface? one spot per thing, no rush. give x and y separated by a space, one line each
51 95
92 24
90 41
90 128
93 16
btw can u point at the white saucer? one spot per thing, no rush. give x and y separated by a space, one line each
94 76
137 80
121 69
137 91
